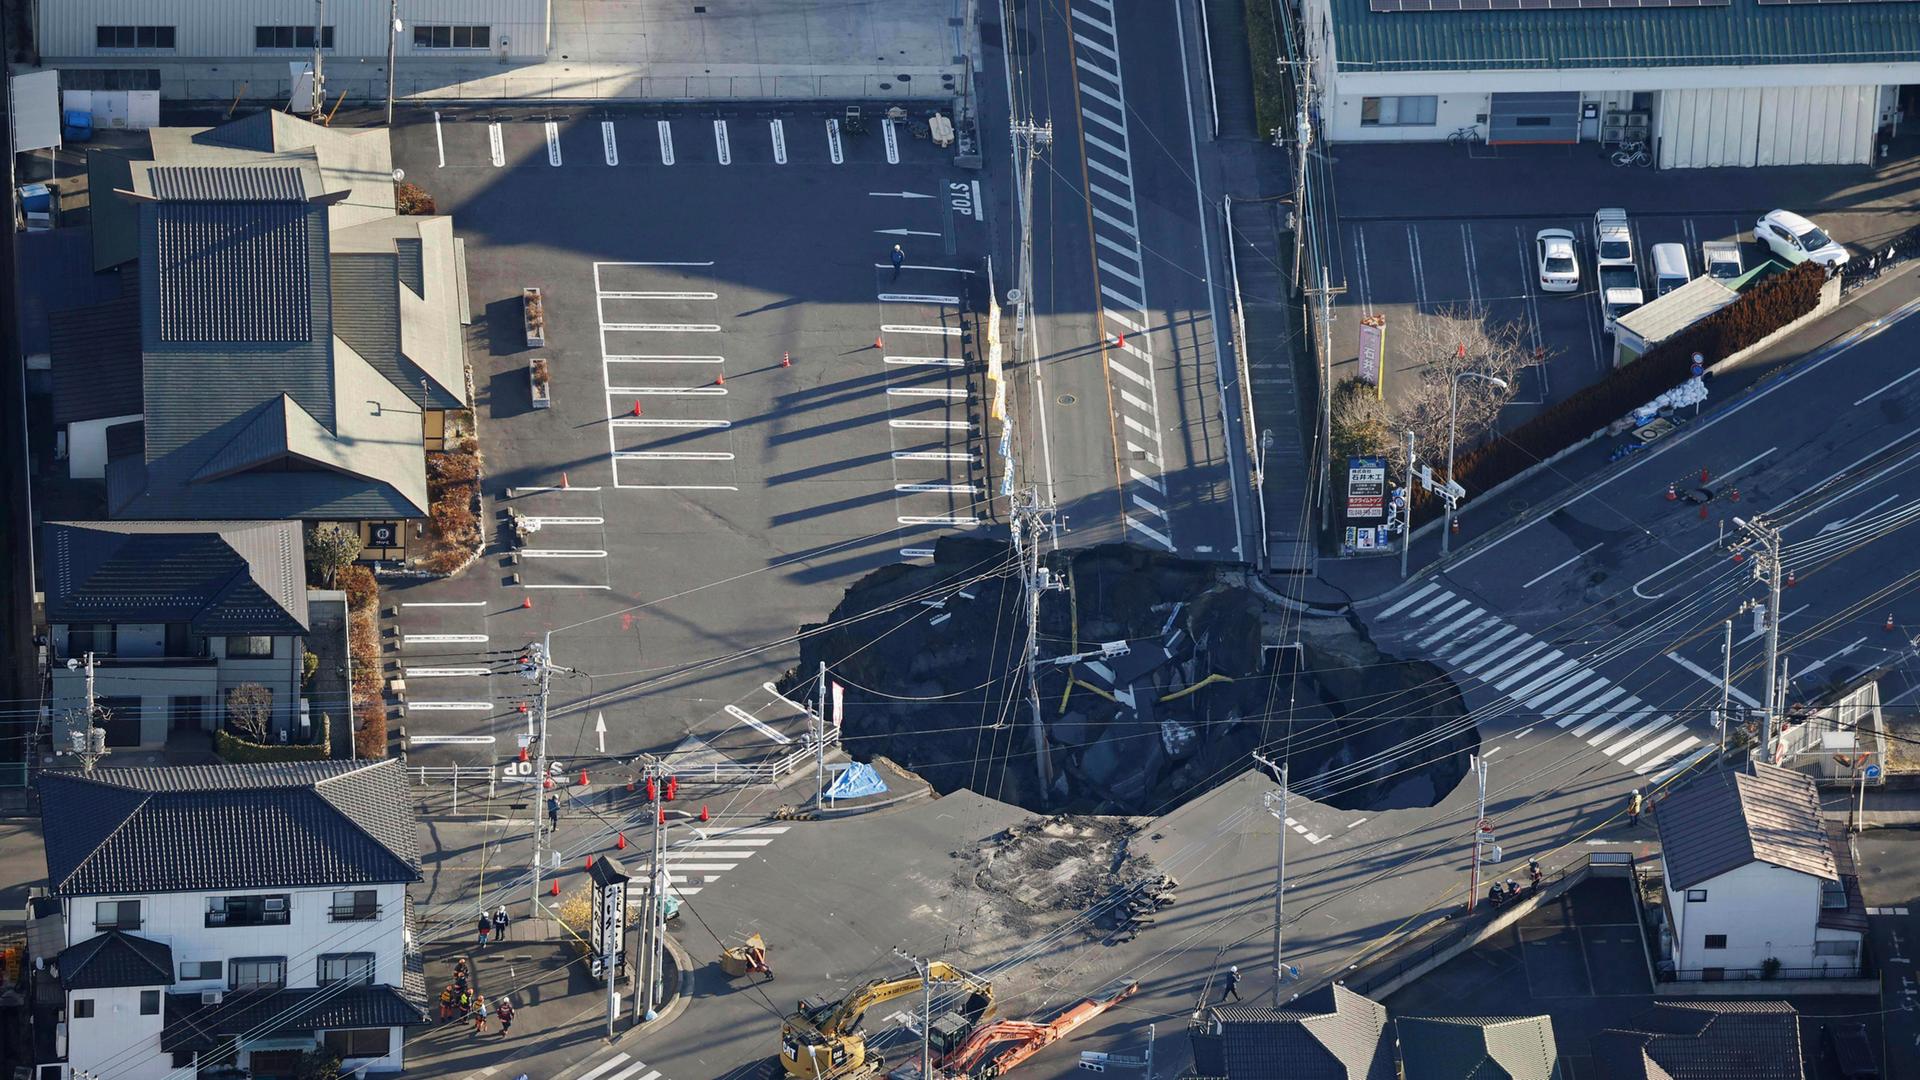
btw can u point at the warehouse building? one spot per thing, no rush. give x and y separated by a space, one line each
193 48
1706 82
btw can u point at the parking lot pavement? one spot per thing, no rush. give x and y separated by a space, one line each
750 407
1403 268
1889 864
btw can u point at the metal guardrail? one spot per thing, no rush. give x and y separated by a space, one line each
714 773
1859 271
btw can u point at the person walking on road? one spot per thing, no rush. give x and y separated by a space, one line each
506 1016
1633 808
479 1015
1232 989
501 920
485 927
899 258
553 811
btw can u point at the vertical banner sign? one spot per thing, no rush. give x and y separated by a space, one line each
609 924
1373 348
1366 488
996 362
839 703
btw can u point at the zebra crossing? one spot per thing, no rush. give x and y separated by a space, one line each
629 1068
1545 681
1121 271
694 864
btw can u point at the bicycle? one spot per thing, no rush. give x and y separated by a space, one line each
1632 155
1466 136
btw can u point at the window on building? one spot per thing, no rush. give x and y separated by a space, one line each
290 37
83 1008
1833 896
183 1059
1414 111
84 638
452 37
257 973
149 1003
353 967
358 905
247 910
358 1043
192 970
116 915
1848 949
133 37
1716 941
1696 896
249 647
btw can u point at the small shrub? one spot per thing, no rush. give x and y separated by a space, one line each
241 751
362 589
330 549
411 198
309 667
250 710
370 735
447 469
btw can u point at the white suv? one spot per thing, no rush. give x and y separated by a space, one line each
1796 240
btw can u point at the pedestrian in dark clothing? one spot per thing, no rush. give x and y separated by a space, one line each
506 1016
899 258
1232 989
553 811
500 922
485 927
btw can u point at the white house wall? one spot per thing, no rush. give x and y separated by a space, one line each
116 1041
87 446
1764 910
225 28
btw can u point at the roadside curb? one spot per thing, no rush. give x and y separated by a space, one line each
632 1033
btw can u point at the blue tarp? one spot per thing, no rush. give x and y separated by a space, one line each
856 781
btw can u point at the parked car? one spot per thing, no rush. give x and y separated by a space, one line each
1721 259
1795 239
1612 238
1553 253
1619 293
1670 269
1849 1051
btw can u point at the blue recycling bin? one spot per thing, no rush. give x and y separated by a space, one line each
77 126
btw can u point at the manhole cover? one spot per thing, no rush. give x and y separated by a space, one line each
1517 506
1067 399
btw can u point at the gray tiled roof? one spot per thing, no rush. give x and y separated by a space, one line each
1722 821
1704 1040
191 1024
1329 1034
234 272
1477 1047
95 353
219 577
115 221
115 959
226 183
185 829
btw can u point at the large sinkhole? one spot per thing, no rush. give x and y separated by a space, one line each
1184 670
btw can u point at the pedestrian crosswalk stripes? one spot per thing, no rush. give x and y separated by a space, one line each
629 1069
1558 685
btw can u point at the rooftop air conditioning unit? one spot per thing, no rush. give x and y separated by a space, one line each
210 997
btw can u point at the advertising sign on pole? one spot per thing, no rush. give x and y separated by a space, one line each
1366 488
1373 347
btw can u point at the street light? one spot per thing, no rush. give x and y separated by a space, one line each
1453 420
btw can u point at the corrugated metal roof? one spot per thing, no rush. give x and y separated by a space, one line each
226 183
1725 820
234 272
1744 32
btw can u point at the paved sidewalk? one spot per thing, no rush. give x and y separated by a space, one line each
1345 581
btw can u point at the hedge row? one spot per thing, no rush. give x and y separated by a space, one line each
1760 311
240 751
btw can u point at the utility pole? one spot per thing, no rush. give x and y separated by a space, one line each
1026 523
1277 806
653 942
90 742
1763 546
1031 138
319 79
1726 682
820 745
1406 512
1479 830
927 982
538 666
393 40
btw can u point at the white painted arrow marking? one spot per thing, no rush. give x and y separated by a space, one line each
898 195
600 730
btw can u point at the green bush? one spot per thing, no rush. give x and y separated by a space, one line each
232 748
309 667
1272 90
362 589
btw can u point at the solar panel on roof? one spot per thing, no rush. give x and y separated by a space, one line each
1560 5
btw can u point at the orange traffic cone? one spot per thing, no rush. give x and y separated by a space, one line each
1703 474
589 862
1672 494
1120 341
1703 511
526 602
636 407
555 891
879 342
704 816
662 819
583 778
523 706
1889 621
720 379
621 843
1734 495
786 359
563 482
1792 580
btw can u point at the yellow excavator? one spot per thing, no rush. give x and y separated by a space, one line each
822 1039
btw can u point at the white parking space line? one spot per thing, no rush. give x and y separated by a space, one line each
542 522
671 455
450 706
497 150
445 672
925 361
439 140
662 358
833 142
662 295
530 586
931 331
443 639
609 143
926 391
553 144
930 455
963 522
721 143
918 298
963 488
561 553
444 603
893 142
778 131
941 425
666 141
667 391
661 328
628 421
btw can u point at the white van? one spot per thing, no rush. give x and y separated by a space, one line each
1670 270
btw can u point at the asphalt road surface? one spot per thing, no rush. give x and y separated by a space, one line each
1130 433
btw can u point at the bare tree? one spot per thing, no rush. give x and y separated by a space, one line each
1454 341
249 708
